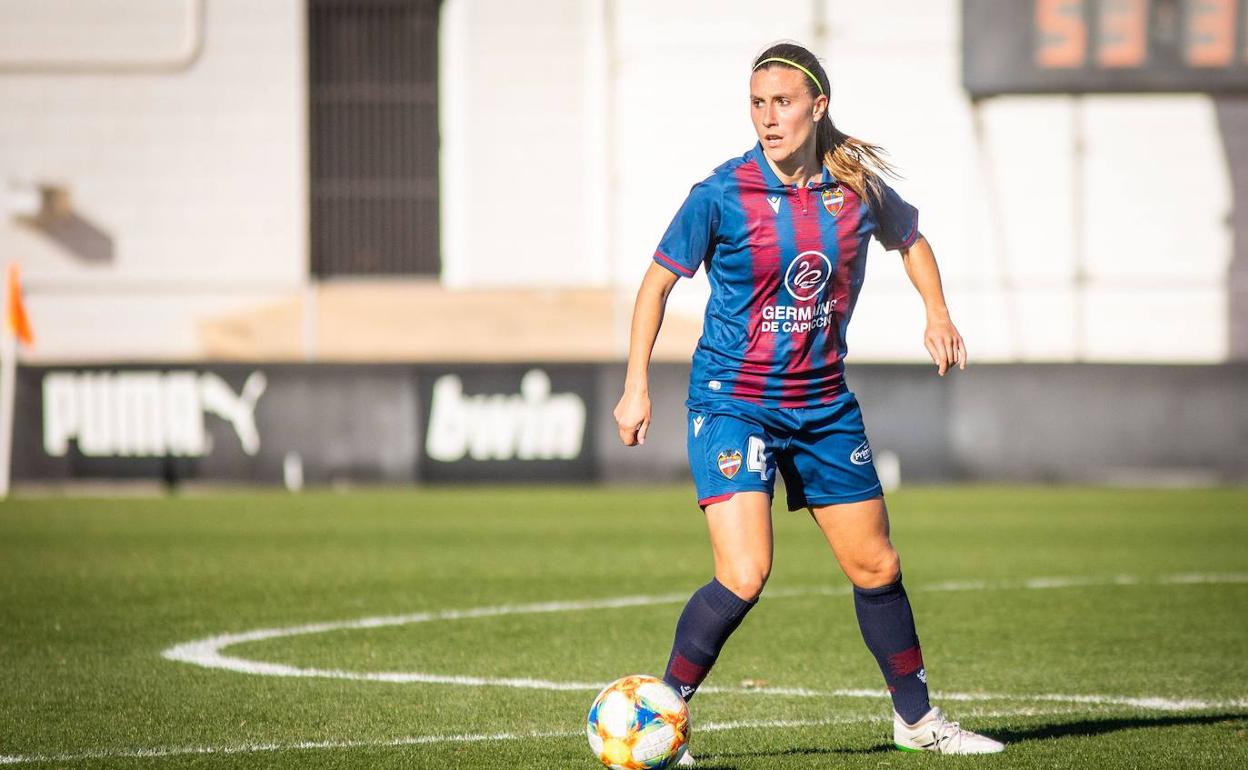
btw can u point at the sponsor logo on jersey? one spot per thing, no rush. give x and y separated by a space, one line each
807 275
861 455
534 424
798 319
833 200
697 425
729 462
145 413
774 202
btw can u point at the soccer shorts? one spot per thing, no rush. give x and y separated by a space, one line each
821 451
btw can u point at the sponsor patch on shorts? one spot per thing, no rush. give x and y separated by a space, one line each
861 455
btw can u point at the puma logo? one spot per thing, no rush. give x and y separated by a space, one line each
240 411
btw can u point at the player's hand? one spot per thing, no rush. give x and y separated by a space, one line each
632 417
944 344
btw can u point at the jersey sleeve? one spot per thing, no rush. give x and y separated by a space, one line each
897 222
690 237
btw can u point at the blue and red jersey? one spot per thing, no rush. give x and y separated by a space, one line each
785 265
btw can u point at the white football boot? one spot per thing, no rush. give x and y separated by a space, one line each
935 733
686 760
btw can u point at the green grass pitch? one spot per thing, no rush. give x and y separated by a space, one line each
1087 628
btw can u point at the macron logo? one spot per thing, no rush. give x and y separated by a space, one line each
774 201
697 425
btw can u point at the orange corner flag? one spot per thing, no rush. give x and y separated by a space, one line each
18 321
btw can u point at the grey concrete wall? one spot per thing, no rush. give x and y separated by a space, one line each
1073 423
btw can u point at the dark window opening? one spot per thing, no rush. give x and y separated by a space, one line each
373 70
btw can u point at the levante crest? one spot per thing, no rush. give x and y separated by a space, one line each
833 200
729 462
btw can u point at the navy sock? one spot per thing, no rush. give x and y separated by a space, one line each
710 617
887 625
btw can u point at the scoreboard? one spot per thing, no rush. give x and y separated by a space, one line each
1104 46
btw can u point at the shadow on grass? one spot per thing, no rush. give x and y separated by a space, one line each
723 760
1088 727
1080 728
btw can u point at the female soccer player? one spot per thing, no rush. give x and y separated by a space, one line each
783 233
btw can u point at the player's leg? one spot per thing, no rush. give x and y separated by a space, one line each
741 541
858 534
735 477
829 470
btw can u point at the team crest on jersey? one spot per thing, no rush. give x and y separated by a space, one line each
833 200
729 462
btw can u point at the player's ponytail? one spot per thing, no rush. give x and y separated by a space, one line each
853 161
857 163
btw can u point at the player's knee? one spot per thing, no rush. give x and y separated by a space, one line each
747 581
879 569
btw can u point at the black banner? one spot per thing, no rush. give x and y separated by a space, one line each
261 423
510 423
488 423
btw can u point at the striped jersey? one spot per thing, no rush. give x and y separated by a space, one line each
785 265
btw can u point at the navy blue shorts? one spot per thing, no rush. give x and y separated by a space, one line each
821 451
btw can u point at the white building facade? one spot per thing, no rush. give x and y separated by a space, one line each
1068 228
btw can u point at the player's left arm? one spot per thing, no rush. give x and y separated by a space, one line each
941 338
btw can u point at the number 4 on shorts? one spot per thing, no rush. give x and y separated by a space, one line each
756 457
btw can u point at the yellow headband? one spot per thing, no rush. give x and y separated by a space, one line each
809 74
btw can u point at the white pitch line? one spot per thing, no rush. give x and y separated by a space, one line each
209 652
462 738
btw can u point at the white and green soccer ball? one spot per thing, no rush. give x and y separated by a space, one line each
638 723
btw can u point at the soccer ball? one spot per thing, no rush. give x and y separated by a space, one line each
638 723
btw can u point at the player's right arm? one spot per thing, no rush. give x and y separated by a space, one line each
632 413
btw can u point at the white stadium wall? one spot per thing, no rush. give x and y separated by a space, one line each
524 177
571 131
1116 256
186 146
1048 254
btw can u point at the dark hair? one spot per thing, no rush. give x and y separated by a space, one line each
857 163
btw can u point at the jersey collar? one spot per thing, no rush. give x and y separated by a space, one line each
774 181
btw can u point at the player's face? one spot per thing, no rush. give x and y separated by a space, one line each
785 114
